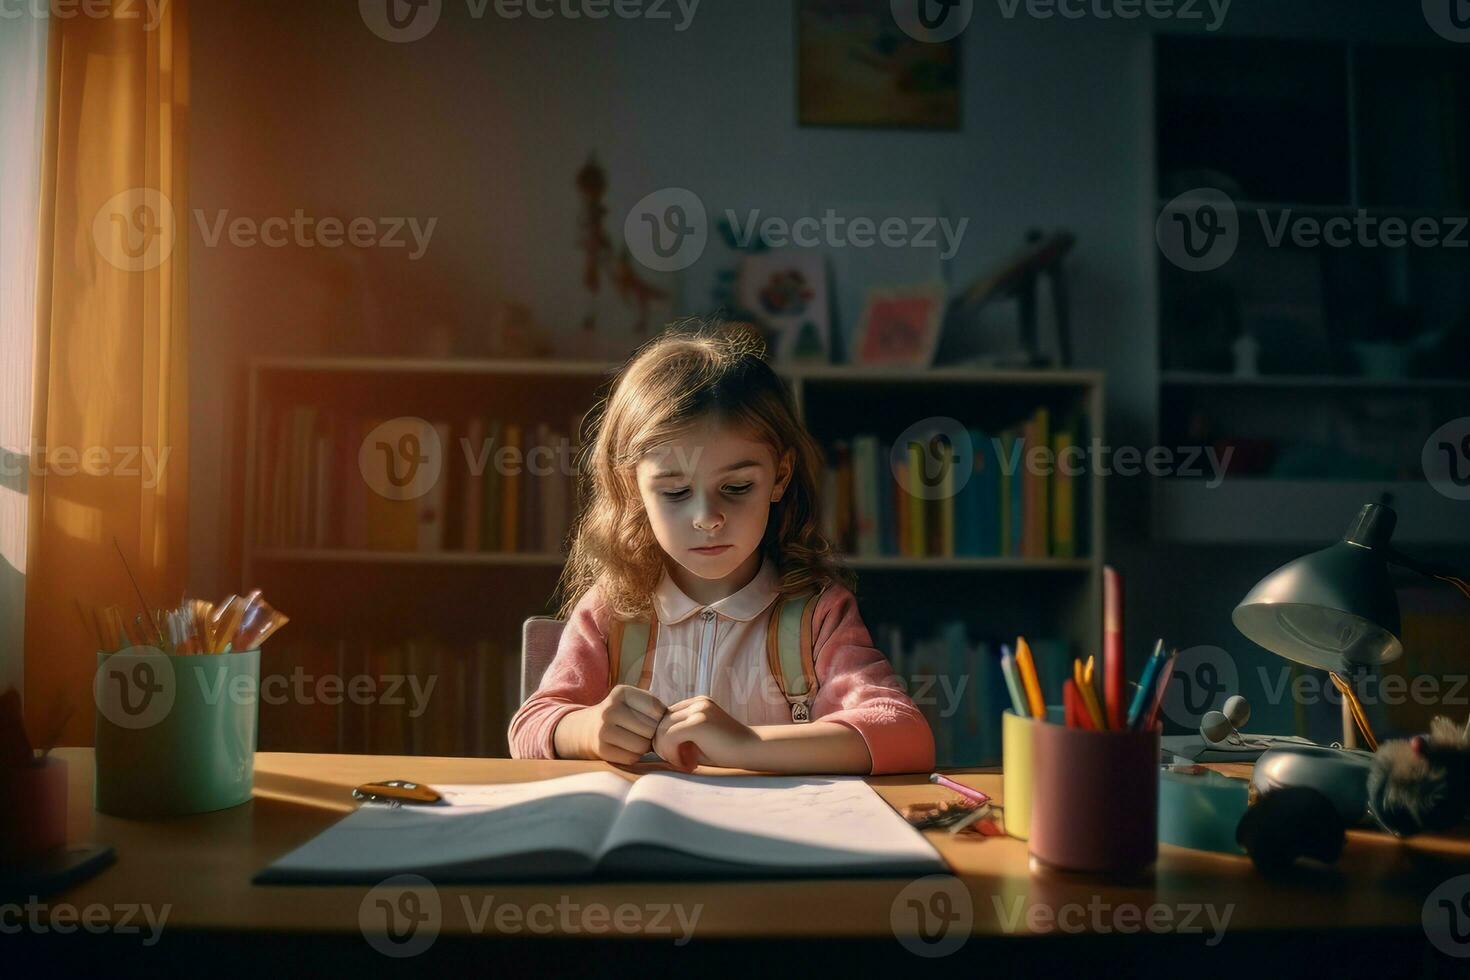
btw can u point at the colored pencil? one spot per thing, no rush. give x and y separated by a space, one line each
1027 667
1146 683
1115 683
1090 708
1008 668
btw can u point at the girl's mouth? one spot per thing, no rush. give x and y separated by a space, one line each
712 549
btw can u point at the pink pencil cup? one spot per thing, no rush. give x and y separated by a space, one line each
1094 799
32 810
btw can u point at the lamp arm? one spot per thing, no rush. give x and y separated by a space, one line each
1427 569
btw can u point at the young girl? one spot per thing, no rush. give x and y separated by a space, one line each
703 515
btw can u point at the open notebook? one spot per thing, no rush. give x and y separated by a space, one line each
598 823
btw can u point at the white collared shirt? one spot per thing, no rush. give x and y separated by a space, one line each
719 649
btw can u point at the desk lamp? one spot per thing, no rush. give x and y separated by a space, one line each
1336 609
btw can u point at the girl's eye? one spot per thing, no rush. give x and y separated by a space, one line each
734 490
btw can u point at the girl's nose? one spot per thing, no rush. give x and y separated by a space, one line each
709 519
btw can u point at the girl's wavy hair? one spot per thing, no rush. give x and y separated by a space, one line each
692 371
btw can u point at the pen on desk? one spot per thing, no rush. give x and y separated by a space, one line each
965 791
1013 685
1146 683
1026 668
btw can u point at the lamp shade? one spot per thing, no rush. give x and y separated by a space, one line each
1334 608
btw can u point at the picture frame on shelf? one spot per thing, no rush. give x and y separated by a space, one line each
787 291
900 325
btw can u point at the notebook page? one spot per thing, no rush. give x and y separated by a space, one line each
826 822
486 827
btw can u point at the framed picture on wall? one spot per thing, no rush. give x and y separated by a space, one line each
857 65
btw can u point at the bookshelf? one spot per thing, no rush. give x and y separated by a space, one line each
456 606
1323 366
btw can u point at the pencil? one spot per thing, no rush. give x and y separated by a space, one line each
1008 669
1146 683
1151 718
1027 668
1091 710
1086 718
1115 684
967 792
157 630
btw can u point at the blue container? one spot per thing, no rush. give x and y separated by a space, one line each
1201 810
175 734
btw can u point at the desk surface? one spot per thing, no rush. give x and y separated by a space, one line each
201 867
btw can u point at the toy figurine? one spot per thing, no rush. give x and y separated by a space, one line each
1422 783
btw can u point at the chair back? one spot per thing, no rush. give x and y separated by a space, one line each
540 636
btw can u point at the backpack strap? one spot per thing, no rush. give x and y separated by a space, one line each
790 654
630 649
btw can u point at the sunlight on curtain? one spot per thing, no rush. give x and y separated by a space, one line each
22 91
111 399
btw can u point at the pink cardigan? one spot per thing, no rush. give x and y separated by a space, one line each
856 685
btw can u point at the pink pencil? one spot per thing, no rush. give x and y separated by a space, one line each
965 791
1115 684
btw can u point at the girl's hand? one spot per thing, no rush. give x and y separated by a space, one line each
698 731
618 729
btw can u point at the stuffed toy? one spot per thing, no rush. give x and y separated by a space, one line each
1422 783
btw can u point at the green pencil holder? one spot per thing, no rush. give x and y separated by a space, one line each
175 734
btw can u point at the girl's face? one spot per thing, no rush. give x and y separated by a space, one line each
708 495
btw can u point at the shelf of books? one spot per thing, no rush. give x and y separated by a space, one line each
417 512
935 481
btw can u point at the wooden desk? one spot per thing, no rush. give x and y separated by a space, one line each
1369 906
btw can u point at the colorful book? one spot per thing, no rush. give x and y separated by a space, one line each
944 537
510 492
865 493
1064 487
899 513
391 525
887 525
987 493
918 532
1039 501
432 506
476 458
490 521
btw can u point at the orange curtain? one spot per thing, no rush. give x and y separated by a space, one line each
110 409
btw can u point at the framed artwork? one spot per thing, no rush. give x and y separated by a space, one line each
786 290
857 67
901 326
